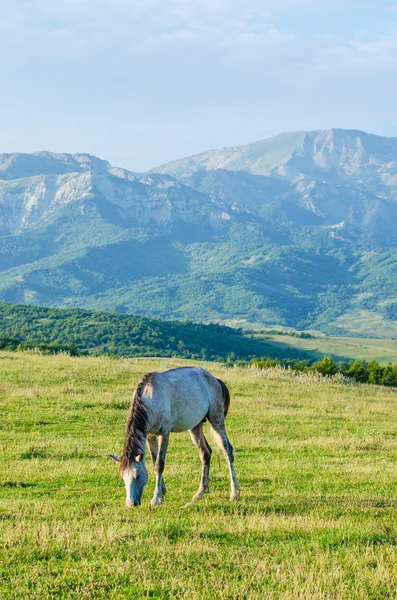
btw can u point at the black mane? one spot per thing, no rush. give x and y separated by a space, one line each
137 425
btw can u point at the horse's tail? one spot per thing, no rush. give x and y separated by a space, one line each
226 397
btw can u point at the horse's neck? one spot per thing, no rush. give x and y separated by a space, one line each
139 442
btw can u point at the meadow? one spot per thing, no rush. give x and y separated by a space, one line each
316 461
341 348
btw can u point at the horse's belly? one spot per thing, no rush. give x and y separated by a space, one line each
188 419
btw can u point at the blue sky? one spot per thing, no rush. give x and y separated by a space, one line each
140 82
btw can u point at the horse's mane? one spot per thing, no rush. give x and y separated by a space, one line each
137 425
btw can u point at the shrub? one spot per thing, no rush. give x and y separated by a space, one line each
326 366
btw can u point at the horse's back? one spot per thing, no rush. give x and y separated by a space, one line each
184 395
180 375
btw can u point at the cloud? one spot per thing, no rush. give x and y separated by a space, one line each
96 20
69 25
79 27
360 55
229 30
219 70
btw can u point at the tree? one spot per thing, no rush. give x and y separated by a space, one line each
358 371
375 372
326 366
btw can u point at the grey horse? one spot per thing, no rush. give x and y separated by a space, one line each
173 401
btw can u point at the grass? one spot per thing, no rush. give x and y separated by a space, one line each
316 462
342 348
365 322
383 349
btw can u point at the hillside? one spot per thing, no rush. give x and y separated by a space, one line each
340 348
130 335
297 231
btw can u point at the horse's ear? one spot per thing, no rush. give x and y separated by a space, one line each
115 458
139 458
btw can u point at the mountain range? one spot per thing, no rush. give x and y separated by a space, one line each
298 230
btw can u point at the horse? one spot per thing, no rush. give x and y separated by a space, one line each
176 400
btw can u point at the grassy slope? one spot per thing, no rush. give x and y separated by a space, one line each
339 347
343 348
364 322
316 463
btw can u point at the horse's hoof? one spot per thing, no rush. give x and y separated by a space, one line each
198 496
156 501
235 496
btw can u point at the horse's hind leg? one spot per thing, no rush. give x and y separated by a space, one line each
205 452
223 442
159 490
154 448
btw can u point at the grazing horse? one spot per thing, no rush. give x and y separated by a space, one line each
176 400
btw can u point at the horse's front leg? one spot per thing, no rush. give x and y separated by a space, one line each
154 449
159 491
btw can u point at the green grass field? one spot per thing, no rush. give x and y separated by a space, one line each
317 468
342 348
383 349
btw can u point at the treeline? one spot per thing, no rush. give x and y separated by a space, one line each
303 335
361 371
80 331
13 345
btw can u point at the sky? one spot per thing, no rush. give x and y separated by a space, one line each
142 82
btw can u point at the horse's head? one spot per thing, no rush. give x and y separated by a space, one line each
135 478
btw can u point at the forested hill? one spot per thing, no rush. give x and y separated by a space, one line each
128 335
295 231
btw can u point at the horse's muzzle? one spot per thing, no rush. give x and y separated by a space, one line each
132 503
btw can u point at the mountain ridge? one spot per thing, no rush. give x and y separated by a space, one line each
279 150
298 231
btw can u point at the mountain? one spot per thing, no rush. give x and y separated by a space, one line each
333 155
335 175
35 188
72 228
297 230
